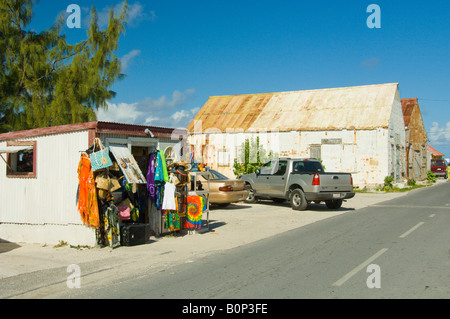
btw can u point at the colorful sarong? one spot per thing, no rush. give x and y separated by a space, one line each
87 193
151 177
194 212
111 221
161 174
172 220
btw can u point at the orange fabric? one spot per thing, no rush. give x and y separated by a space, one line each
87 194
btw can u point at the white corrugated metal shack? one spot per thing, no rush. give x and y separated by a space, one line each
359 130
40 205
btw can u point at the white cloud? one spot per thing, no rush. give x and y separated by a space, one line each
163 111
122 113
127 58
136 14
152 120
185 115
439 135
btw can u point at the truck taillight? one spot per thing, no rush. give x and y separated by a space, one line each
351 179
316 180
226 189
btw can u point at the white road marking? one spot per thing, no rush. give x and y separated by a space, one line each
432 215
360 267
411 230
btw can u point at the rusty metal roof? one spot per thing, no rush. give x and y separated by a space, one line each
433 151
359 107
407 108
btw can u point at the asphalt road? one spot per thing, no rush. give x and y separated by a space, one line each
400 248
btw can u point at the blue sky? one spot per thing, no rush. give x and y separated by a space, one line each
178 53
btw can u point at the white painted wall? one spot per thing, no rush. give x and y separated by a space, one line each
397 163
44 208
364 153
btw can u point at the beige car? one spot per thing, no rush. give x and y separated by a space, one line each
224 191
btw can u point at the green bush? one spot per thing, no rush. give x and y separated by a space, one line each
411 182
388 183
252 157
431 177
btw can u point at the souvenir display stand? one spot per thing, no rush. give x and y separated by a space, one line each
127 206
201 192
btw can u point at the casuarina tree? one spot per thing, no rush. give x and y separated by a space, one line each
44 80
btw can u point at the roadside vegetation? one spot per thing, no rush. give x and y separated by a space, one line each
389 185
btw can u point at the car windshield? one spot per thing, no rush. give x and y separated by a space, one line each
216 175
437 162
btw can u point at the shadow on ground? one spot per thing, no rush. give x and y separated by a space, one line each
6 246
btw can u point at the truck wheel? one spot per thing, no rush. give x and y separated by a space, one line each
334 204
251 198
298 199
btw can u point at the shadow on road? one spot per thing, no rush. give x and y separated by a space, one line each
236 206
6 246
311 206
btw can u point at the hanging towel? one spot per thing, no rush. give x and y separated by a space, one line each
161 174
194 212
169 197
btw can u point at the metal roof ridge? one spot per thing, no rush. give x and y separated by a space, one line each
137 125
308 90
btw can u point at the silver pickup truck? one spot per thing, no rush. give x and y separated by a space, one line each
300 181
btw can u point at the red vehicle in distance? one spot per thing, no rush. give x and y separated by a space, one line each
439 168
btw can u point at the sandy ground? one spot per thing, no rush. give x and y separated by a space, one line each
230 227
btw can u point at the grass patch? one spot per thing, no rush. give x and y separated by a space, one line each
61 243
363 190
406 189
389 190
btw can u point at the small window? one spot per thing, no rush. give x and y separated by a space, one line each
21 159
307 167
274 167
281 168
269 168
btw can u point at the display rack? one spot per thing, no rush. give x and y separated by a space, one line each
194 177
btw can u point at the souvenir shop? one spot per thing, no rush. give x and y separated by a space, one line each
128 194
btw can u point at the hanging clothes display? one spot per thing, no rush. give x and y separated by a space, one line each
194 212
161 174
168 188
169 197
111 221
159 196
151 187
172 220
87 197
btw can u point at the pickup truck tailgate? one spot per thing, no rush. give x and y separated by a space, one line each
335 182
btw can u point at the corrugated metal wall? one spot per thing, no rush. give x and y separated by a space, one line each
51 198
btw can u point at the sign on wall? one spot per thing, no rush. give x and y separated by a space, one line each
127 164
